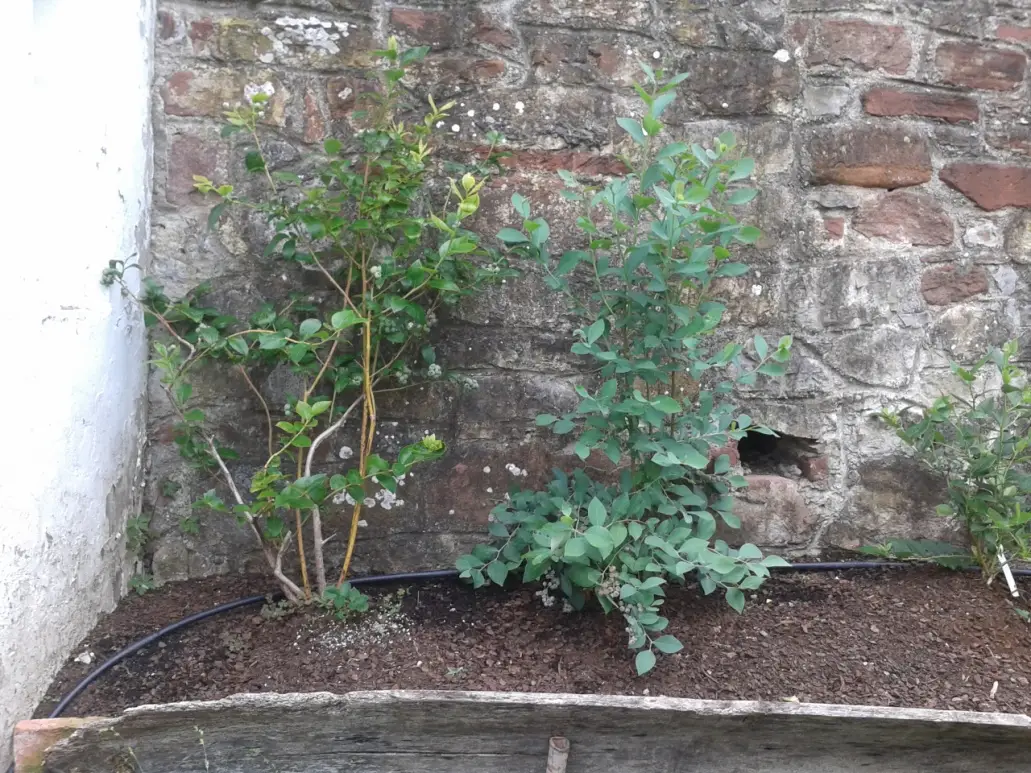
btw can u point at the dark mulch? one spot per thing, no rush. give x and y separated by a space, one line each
915 637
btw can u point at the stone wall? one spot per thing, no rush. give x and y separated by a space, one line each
894 154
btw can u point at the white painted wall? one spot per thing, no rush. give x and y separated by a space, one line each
75 185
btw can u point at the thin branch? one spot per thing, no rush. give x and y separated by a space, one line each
290 589
264 405
293 593
316 516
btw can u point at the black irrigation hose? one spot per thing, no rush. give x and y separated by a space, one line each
385 579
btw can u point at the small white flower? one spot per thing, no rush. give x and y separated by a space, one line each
456 128
520 107
433 371
471 113
376 271
487 470
757 290
362 523
251 90
495 106
369 502
439 124
656 54
782 55
345 452
450 512
490 490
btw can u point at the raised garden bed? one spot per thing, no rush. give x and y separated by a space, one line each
914 638
462 732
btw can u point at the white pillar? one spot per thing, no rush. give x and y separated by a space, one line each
76 193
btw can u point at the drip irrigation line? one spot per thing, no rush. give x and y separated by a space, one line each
388 579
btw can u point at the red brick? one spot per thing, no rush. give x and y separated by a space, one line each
314 125
201 32
953 108
342 95
868 156
1013 32
188 155
947 284
571 160
168 25
990 186
472 71
871 46
814 468
799 31
980 67
834 227
205 93
730 450
907 217
34 737
488 31
430 28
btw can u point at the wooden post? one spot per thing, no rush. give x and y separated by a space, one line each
558 753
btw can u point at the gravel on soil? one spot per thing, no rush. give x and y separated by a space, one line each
912 637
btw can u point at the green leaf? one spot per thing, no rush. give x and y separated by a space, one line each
521 205
736 599
668 644
498 572
760 347
216 214
644 662
512 236
194 415
748 550
575 547
569 261
661 103
732 269
598 536
749 234
742 196
546 420
345 319
772 369
673 149
667 404
271 341
310 327
774 561
633 128
413 55
617 532
596 513
562 427
332 146
594 332
742 169
254 162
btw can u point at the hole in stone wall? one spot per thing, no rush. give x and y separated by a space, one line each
775 454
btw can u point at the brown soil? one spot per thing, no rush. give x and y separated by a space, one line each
893 638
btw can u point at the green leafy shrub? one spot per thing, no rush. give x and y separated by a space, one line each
655 241
361 222
979 443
